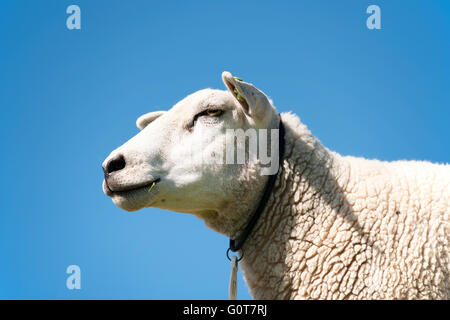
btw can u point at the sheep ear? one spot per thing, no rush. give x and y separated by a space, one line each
145 119
254 102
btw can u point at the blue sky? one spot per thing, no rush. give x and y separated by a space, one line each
69 97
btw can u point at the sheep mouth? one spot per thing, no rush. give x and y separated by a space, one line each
123 191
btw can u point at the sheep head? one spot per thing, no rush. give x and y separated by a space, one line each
180 160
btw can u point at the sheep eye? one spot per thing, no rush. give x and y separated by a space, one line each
214 112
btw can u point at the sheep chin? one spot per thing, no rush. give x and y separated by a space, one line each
133 200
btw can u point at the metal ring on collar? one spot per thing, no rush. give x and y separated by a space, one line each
239 258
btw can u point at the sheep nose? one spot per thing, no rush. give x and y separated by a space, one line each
114 164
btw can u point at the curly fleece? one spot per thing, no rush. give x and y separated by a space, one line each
340 227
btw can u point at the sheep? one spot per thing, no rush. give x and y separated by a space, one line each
333 227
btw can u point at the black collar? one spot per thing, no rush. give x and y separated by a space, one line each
236 244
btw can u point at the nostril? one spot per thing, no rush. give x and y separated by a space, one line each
115 164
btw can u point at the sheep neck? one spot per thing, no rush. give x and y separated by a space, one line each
236 244
289 215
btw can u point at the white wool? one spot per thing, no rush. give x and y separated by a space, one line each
350 228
